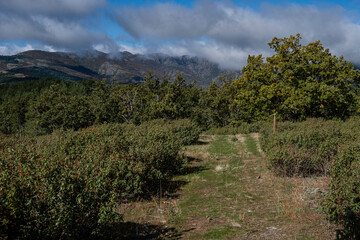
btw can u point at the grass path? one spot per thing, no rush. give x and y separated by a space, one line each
230 194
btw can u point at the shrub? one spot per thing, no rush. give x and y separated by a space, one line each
68 184
185 130
239 128
267 131
342 202
304 149
69 196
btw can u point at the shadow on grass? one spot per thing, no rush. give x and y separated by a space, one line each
199 142
189 160
193 169
170 188
349 234
130 230
165 189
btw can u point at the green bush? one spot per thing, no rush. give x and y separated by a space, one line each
63 196
68 184
267 131
342 202
185 130
306 148
239 128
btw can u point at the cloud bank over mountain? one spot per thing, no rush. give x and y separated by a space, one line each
222 31
219 30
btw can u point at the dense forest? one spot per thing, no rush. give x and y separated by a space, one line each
129 137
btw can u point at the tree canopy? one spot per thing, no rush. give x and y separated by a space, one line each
296 82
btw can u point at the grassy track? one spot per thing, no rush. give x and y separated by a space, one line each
227 192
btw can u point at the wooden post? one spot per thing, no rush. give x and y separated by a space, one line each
274 122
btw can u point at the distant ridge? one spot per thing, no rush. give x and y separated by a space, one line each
125 67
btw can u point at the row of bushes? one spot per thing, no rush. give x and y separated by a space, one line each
68 184
306 148
319 147
239 128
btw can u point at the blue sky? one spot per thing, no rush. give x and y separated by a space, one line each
222 31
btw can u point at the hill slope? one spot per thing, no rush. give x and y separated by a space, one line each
125 68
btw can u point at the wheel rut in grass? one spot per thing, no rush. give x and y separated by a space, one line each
237 197
227 192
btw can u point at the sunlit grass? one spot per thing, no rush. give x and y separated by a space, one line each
222 146
252 146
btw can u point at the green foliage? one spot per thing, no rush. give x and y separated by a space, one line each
44 106
32 89
68 184
306 148
297 82
239 128
12 115
215 104
154 99
56 195
185 130
342 202
56 108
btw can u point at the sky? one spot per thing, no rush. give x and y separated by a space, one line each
223 31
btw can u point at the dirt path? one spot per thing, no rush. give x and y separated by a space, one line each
228 193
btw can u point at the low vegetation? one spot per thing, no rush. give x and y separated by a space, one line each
342 203
68 184
240 128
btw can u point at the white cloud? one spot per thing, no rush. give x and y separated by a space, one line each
14 49
214 29
133 49
226 56
60 24
52 7
165 20
232 32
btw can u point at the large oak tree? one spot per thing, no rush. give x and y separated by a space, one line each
296 82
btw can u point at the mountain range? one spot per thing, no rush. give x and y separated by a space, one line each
125 67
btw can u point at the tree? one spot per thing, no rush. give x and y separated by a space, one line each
57 108
216 102
12 115
100 104
296 82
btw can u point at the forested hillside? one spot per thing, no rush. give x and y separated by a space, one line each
124 67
